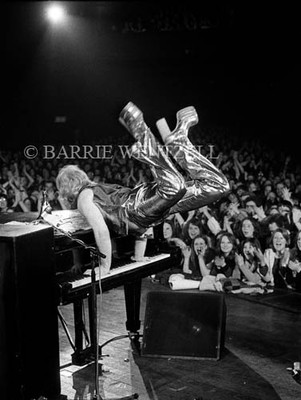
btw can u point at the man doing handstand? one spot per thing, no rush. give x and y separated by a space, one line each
111 208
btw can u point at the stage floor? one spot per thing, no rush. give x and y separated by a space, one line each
262 340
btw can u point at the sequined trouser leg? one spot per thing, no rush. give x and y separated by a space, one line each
150 203
208 184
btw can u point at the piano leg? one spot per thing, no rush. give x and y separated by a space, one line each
78 324
80 356
132 292
92 322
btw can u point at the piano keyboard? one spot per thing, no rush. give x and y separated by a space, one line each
85 279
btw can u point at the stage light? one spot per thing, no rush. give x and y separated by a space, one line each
56 13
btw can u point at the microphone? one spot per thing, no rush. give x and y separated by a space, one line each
45 206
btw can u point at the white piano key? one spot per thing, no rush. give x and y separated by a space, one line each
86 280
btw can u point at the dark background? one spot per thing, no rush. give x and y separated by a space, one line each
239 67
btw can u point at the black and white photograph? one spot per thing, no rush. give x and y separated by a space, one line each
150 201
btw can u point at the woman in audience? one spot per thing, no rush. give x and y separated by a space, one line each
170 234
224 261
295 262
197 258
276 259
31 201
248 228
191 230
250 260
178 222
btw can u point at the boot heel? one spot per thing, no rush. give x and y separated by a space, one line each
132 119
187 116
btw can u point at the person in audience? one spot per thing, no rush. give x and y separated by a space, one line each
191 230
280 189
170 234
270 202
285 209
276 259
31 201
209 223
197 258
296 217
178 222
250 260
270 225
295 262
232 217
21 200
224 261
233 198
4 208
248 228
53 198
254 208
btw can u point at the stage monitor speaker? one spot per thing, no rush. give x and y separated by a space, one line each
184 324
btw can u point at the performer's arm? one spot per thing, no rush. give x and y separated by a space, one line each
101 232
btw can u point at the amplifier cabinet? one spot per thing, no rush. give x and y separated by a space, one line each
29 342
184 324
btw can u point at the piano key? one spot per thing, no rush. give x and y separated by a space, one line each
86 279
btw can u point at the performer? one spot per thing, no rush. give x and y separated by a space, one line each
111 208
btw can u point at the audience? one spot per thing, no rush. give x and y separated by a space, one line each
245 235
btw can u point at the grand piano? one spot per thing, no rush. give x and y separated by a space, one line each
36 277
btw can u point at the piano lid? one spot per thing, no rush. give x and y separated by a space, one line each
20 229
69 221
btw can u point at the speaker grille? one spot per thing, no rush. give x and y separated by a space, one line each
185 324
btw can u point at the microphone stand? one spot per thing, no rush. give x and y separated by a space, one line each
94 255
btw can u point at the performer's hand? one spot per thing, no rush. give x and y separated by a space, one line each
104 270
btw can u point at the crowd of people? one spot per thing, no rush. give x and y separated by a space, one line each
252 234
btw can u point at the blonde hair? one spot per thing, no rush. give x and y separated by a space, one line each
70 180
